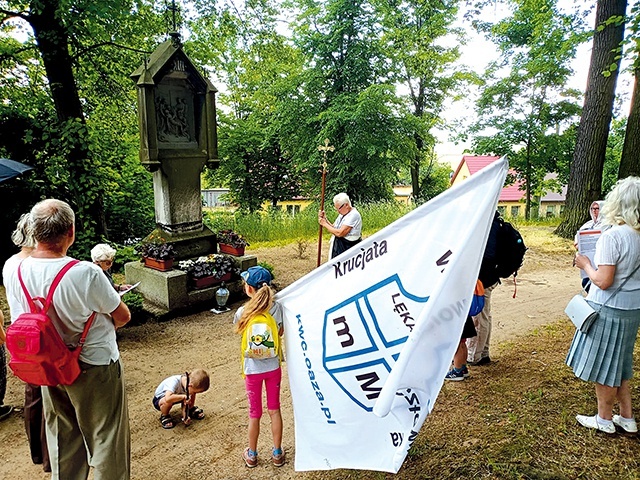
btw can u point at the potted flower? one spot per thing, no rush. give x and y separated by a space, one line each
159 256
230 242
209 270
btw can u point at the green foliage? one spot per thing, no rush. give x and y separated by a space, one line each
267 266
219 220
134 301
434 179
124 255
89 157
280 227
519 112
615 142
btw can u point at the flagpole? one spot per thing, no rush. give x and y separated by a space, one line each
324 149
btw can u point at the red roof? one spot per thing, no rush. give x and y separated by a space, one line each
475 163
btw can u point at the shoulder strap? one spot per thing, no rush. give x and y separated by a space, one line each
32 306
620 286
49 299
87 326
55 283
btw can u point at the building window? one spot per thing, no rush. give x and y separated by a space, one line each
514 211
501 210
551 210
293 210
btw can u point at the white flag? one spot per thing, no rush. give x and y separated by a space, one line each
371 334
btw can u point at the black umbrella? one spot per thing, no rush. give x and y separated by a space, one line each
11 168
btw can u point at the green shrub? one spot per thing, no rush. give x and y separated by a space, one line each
268 266
123 255
280 226
133 300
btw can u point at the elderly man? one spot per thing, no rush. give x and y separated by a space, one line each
87 422
347 228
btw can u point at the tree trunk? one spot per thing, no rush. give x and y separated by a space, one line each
527 180
53 44
630 160
585 178
418 112
415 167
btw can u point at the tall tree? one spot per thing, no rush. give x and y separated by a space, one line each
415 32
70 63
348 96
630 161
51 35
526 113
259 68
585 179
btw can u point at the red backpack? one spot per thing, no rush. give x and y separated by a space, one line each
39 356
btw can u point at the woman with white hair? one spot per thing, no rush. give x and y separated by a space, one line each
102 255
34 422
347 229
604 354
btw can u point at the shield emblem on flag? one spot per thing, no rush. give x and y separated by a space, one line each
363 337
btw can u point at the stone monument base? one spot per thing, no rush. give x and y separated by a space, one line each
169 291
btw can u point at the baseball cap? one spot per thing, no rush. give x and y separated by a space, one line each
256 276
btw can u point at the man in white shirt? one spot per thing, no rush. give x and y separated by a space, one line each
87 422
347 229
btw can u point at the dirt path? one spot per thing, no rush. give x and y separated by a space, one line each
210 449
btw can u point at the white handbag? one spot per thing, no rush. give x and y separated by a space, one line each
581 313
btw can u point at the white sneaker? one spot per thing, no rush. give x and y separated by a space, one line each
592 422
629 425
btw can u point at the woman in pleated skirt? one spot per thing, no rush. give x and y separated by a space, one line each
604 355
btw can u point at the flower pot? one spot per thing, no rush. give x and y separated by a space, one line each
204 282
228 249
226 277
160 265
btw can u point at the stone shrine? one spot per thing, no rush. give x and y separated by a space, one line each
178 137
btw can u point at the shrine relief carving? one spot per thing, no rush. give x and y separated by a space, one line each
175 118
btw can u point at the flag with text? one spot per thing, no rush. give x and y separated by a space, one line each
371 334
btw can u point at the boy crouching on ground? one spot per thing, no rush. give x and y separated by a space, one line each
181 389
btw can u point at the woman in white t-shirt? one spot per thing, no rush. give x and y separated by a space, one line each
604 354
33 409
347 228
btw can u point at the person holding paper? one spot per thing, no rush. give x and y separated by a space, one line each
594 225
596 220
604 354
102 255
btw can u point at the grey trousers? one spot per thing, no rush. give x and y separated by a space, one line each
478 346
88 425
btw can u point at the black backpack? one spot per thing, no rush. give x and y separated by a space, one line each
510 250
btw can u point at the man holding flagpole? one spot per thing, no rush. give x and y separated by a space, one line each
347 228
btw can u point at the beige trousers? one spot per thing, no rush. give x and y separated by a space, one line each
88 425
478 346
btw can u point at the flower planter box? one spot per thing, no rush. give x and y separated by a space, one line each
160 265
228 249
205 282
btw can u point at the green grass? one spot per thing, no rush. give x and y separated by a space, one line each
267 229
515 419
278 228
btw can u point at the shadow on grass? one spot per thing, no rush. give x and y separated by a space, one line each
515 419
